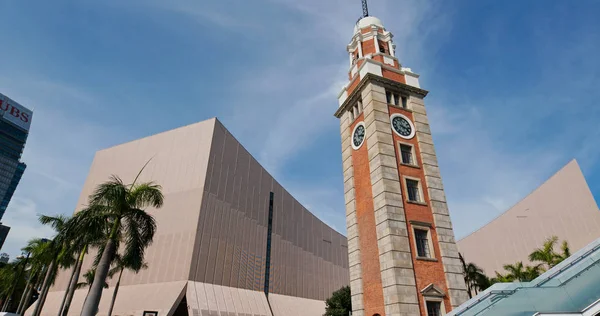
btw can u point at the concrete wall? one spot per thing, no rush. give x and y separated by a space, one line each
563 206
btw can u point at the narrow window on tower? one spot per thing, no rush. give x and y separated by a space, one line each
382 48
392 98
422 242
360 106
404 102
434 308
413 190
406 154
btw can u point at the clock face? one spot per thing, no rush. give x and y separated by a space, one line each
358 136
402 126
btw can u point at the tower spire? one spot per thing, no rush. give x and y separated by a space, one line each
365 8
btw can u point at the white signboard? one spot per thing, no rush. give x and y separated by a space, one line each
15 113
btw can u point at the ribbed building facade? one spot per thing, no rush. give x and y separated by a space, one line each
209 255
563 206
14 129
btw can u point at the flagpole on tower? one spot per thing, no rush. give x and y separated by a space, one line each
365 8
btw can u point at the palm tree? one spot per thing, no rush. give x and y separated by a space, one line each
9 279
90 230
566 252
501 278
516 272
123 207
474 277
57 250
136 265
546 254
37 248
520 272
532 272
88 278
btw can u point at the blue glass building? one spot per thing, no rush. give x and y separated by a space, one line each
570 288
14 129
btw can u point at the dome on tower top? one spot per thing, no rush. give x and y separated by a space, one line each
367 21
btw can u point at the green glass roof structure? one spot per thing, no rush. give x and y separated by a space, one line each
570 288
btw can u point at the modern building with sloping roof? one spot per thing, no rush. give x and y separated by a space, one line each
563 206
221 246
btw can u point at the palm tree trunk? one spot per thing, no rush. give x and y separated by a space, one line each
114 297
25 300
34 284
24 295
74 281
42 298
90 307
64 300
5 303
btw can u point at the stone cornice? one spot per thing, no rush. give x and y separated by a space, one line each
381 81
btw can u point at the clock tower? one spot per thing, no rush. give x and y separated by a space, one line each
402 253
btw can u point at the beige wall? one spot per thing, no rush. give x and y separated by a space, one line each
563 206
212 228
309 259
179 163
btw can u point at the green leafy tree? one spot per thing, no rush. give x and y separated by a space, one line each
122 208
340 303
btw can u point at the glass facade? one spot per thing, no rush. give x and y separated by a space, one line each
12 142
568 288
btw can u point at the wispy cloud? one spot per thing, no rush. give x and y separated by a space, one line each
59 150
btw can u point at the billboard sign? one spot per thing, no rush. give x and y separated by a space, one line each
15 113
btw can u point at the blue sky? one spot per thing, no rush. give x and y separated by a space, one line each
513 90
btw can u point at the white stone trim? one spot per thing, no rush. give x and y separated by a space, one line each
361 123
370 67
413 130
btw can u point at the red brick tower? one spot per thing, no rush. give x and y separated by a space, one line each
402 253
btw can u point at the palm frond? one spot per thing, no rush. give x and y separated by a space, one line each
90 225
111 193
81 285
146 194
566 251
139 232
141 170
56 222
